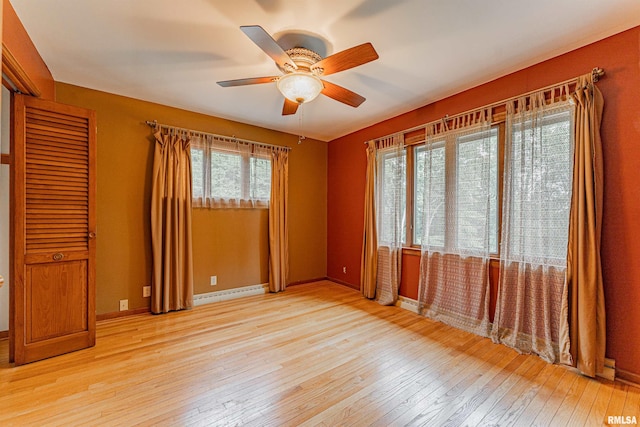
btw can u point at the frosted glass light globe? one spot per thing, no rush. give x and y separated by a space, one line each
300 87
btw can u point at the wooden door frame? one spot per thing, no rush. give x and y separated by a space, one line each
16 79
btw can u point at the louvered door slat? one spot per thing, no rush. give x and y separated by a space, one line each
52 116
44 135
44 169
55 131
45 122
43 150
48 140
54 266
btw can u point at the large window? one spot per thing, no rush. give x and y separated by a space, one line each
230 178
446 194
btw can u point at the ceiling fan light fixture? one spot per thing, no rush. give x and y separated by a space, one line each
300 87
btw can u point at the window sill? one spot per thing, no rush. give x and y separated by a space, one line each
413 251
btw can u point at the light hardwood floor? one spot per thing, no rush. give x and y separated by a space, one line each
318 354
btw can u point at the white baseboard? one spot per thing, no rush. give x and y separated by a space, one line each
228 294
407 304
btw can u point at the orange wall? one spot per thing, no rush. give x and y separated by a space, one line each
18 42
619 56
229 243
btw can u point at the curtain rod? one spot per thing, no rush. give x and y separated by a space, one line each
155 123
597 72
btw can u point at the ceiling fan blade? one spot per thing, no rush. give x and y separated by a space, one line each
249 81
346 59
341 94
265 42
289 107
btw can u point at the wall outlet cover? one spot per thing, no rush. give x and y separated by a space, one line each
214 280
124 304
146 291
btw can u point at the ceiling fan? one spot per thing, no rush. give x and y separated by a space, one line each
302 69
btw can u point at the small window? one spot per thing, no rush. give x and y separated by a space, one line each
475 158
430 171
226 175
392 183
230 178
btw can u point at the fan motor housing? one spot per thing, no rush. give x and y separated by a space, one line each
304 59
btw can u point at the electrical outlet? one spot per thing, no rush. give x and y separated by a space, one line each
124 304
214 280
146 291
344 270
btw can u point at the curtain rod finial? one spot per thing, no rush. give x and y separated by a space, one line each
597 73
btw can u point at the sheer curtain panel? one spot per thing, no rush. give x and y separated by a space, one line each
390 214
230 174
172 279
532 296
456 181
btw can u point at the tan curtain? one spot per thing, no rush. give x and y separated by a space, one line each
369 261
584 272
172 281
278 227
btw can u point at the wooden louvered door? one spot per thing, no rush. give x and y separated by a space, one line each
54 189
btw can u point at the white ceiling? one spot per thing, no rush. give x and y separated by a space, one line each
173 52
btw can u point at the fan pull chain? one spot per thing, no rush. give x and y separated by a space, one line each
301 137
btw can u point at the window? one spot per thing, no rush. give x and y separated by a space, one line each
456 209
474 158
231 176
541 174
432 160
451 189
392 190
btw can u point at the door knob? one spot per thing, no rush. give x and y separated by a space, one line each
1 280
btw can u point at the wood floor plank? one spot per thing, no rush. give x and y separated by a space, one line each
529 405
616 403
423 367
317 354
375 401
631 403
520 385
